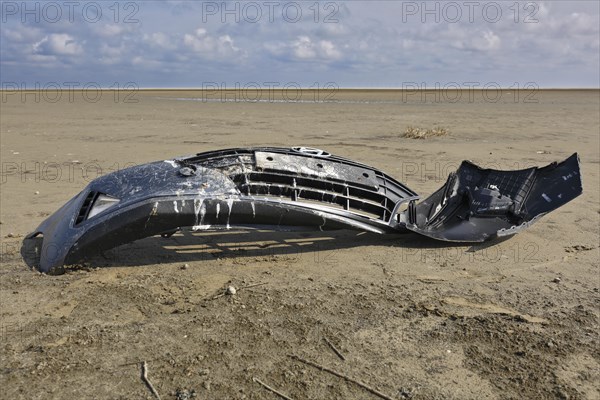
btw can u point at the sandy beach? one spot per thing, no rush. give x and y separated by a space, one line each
412 317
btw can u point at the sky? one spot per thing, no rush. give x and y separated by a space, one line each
382 44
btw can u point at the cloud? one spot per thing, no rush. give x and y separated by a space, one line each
201 42
328 49
58 44
13 35
304 48
111 54
482 41
109 30
160 40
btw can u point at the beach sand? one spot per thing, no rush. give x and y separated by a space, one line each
412 317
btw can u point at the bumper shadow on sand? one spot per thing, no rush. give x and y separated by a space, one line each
198 247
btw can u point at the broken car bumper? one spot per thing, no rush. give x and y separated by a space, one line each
297 188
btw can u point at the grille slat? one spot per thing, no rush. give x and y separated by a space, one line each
310 183
347 202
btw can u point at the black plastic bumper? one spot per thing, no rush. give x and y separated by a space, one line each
281 189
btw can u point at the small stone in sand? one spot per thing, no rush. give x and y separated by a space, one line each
556 280
230 290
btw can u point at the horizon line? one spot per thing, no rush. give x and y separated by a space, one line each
366 88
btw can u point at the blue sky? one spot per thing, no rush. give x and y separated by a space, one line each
305 43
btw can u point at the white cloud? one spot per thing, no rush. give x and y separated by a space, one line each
202 42
161 40
463 38
112 55
329 50
110 30
489 41
60 44
304 48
